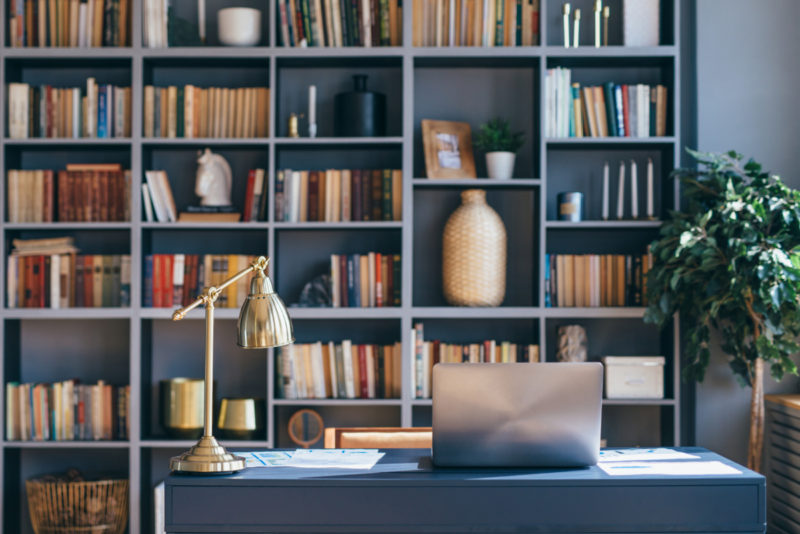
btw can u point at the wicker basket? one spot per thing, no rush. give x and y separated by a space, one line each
78 507
474 253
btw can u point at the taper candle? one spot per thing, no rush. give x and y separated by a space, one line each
621 191
650 211
312 110
634 191
576 28
598 7
201 19
605 191
606 14
565 22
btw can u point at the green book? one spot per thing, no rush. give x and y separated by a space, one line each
179 113
652 109
384 14
307 22
397 279
611 114
518 39
498 27
386 195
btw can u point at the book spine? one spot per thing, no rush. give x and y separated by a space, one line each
611 115
386 196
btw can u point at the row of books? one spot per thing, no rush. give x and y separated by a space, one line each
596 280
371 280
339 371
68 23
100 111
67 410
190 111
340 22
81 193
172 280
476 23
608 110
335 195
427 353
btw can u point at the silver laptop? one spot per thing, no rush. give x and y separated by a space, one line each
517 414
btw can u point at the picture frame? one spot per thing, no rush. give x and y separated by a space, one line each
448 149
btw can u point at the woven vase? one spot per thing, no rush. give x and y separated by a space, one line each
474 253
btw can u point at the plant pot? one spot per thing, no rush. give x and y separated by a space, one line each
500 165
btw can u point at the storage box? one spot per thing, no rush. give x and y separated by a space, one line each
634 377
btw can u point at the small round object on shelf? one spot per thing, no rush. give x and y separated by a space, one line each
305 427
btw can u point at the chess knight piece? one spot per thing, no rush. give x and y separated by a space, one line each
214 179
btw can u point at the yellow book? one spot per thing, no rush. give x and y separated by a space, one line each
326 370
303 215
397 195
576 108
308 371
364 280
262 112
569 280
172 111
224 110
356 372
580 281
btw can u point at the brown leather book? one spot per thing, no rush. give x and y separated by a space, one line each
313 196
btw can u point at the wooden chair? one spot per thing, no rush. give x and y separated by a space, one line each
378 438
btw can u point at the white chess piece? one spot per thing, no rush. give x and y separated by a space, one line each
214 179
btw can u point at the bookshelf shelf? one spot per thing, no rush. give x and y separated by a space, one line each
471 84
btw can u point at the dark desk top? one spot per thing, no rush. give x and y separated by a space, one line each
413 467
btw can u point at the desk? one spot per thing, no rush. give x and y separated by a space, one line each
405 493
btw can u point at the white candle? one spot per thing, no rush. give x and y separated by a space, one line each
312 110
621 190
201 19
650 211
605 191
634 191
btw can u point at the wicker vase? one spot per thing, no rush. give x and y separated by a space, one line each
474 253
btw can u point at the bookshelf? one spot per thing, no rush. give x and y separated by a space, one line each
141 345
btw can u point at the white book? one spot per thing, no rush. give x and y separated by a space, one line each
178 263
159 506
370 372
258 192
91 107
412 376
318 370
55 281
336 274
82 12
159 205
633 111
366 26
426 370
18 94
349 380
337 24
328 177
294 213
163 13
296 356
287 373
643 100
166 194
11 281
550 130
332 364
452 26
147 203
76 114
109 89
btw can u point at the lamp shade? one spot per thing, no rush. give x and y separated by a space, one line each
263 320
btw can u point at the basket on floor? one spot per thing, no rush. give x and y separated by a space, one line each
62 507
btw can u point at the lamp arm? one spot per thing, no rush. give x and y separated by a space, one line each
211 293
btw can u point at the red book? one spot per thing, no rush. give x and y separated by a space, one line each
189 278
362 371
625 114
44 286
313 196
28 262
343 280
158 267
166 294
378 281
248 196
299 37
88 281
437 351
487 351
389 282
40 283
63 195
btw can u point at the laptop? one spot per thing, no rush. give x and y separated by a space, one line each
517 414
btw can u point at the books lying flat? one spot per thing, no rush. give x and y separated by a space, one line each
209 217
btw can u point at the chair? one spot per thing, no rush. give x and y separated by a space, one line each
378 438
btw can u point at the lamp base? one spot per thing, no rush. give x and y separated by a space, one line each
207 457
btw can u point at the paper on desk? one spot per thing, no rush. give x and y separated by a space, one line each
668 468
335 458
644 455
265 458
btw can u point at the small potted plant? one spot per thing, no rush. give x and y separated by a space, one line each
501 146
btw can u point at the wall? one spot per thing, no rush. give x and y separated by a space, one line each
747 77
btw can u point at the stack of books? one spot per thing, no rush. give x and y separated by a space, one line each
476 23
339 371
426 354
340 22
592 280
47 273
369 280
337 195
66 411
81 193
190 111
100 111
636 110
172 280
68 23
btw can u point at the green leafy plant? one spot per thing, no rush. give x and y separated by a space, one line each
496 136
731 262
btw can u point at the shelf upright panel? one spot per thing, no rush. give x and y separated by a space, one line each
543 177
272 130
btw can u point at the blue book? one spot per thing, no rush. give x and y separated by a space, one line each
148 282
547 302
102 104
619 110
351 282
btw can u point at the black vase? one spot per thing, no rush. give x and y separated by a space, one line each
360 113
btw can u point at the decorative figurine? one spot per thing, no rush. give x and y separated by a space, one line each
571 343
294 129
214 179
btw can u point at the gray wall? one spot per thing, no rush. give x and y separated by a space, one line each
748 74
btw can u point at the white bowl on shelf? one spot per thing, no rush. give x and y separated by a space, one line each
239 26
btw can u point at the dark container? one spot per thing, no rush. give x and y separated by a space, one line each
360 113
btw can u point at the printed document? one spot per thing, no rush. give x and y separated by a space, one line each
644 455
265 458
335 458
668 468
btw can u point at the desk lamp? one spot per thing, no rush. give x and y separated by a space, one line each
263 323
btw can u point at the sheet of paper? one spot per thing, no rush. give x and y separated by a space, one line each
668 468
265 458
644 455
335 458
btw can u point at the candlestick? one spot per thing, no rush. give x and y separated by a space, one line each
621 191
312 110
576 29
634 191
201 19
605 191
650 211
598 7
606 14
565 23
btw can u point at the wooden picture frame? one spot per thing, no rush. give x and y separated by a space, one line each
448 149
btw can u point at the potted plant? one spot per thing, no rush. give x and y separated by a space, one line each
731 262
501 146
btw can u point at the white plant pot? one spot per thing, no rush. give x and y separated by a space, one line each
239 26
500 165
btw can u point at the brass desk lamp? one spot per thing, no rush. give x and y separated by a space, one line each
263 323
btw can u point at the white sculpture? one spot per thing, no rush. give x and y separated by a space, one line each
214 179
